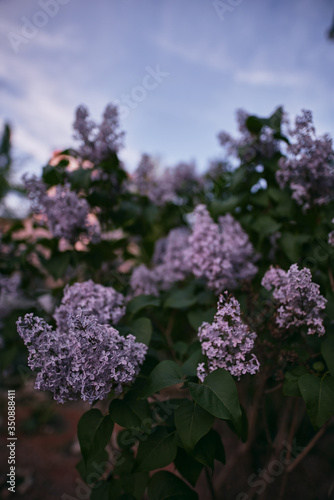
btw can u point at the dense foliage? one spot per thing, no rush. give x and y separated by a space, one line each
174 302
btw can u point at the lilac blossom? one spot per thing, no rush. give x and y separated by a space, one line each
98 141
227 342
168 265
308 167
331 236
166 186
221 253
104 303
299 302
9 294
147 183
84 360
65 213
9 287
249 145
143 281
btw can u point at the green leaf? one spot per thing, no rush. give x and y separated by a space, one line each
142 330
166 486
291 378
292 244
199 316
123 462
192 422
318 394
129 413
157 451
275 120
218 395
57 264
209 448
141 302
254 124
94 467
165 374
51 175
221 207
181 299
94 432
188 467
327 351
105 490
189 367
275 194
180 348
265 225
135 484
80 178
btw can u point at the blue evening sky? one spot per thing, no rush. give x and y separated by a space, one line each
256 55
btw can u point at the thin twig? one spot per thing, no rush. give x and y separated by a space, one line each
293 428
309 447
284 424
273 389
265 423
331 278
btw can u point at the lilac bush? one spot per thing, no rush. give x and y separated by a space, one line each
168 265
299 301
221 253
227 342
97 141
178 357
82 359
65 213
308 169
166 186
248 145
104 303
143 281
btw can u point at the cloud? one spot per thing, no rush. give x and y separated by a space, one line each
271 78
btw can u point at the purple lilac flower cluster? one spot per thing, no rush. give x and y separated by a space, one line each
308 169
227 342
143 282
98 141
65 213
168 265
248 145
84 357
104 303
331 236
299 300
9 287
9 294
221 253
163 188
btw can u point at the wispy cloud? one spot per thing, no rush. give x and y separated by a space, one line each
270 78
